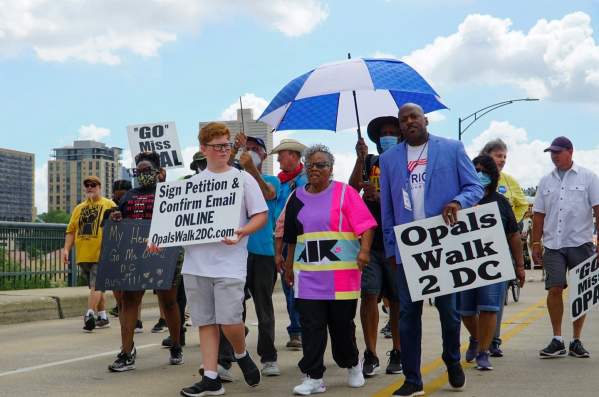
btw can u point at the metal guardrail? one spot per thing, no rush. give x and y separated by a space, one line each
30 256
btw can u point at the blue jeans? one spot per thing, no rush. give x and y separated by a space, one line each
294 328
410 330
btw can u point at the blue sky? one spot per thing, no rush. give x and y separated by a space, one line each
91 70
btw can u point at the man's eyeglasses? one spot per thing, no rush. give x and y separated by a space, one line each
321 165
92 185
220 147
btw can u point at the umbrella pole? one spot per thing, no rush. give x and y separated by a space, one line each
365 177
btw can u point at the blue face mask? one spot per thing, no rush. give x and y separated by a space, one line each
484 179
387 141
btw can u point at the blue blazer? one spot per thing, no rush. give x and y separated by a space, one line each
450 175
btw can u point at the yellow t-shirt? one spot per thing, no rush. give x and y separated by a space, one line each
512 191
86 223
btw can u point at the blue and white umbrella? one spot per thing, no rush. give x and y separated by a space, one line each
323 98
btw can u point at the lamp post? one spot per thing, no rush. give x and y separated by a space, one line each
481 112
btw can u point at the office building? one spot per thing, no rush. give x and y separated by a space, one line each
70 165
17 179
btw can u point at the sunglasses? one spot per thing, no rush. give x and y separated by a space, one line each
90 184
319 165
220 147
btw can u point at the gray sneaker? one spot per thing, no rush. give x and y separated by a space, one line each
270 368
295 342
102 323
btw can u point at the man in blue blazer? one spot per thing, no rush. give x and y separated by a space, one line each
424 176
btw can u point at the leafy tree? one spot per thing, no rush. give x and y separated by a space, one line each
55 216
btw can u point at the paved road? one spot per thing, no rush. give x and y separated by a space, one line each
53 358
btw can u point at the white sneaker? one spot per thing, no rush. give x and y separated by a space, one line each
355 377
270 368
310 386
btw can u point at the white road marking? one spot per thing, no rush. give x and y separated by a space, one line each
72 360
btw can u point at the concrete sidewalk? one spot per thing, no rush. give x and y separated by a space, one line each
26 305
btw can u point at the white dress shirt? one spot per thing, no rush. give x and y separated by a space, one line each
568 207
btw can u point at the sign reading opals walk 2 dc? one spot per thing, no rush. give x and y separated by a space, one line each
583 283
202 209
160 138
439 259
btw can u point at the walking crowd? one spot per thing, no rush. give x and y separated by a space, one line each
333 243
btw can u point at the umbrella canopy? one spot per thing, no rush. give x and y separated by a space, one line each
322 99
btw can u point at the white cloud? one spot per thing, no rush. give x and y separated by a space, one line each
41 188
556 59
435 117
384 55
526 160
250 101
91 132
101 31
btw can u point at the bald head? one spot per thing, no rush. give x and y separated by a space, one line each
412 124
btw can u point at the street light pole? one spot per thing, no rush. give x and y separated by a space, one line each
484 111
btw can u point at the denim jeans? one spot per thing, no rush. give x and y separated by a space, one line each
410 330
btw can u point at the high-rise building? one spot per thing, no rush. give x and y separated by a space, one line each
72 164
17 179
253 128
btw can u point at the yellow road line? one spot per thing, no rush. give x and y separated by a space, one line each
438 382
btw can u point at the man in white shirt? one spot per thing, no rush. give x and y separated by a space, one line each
563 217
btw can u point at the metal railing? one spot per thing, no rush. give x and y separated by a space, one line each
30 256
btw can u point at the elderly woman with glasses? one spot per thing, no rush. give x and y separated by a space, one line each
329 231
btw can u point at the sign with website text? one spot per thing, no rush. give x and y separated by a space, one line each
160 138
439 259
583 283
202 209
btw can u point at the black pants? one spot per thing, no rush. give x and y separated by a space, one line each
260 282
315 317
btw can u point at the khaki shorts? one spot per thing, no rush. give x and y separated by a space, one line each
214 300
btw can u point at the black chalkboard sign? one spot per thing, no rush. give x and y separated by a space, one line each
126 265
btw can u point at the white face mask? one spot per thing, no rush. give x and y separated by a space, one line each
256 159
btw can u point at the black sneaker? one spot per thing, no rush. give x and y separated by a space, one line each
139 327
456 376
89 323
394 363
176 355
168 341
207 387
371 364
386 330
123 362
251 373
160 326
554 349
114 311
409 390
578 350
102 323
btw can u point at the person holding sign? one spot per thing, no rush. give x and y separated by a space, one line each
424 176
378 278
563 207
329 231
85 231
479 306
138 203
215 272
